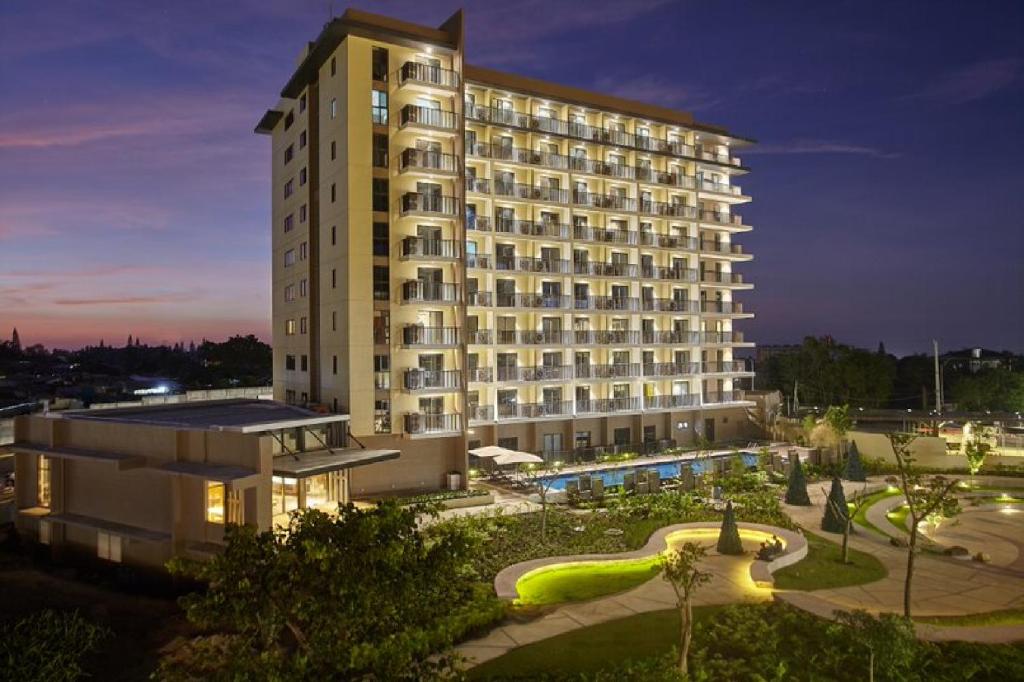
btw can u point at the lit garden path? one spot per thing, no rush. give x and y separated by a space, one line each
731 583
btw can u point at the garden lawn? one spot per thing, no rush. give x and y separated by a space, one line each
584 580
822 568
861 517
898 518
1001 617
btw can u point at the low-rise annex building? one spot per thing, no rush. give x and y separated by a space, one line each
139 485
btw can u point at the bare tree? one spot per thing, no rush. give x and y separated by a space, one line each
543 487
679 569
937 495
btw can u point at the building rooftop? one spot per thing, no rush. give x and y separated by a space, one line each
244 416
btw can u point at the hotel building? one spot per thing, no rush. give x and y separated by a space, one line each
464 257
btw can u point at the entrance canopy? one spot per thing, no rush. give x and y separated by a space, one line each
306 464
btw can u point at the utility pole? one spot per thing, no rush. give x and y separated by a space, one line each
796 397
938 383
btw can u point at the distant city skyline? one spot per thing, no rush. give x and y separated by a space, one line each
135 198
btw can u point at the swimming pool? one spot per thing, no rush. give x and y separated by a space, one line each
615 476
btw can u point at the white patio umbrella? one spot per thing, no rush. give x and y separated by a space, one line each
489 451
515 457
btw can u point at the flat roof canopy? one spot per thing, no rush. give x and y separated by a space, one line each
306 464
120 460
91 522
243 416
238 477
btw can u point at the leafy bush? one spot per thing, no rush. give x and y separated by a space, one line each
441 496
48 645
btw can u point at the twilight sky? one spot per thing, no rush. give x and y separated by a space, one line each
888 182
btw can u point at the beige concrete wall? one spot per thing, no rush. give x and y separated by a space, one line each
421 466
928 452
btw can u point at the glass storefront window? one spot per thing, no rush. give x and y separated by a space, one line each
285 497
214 502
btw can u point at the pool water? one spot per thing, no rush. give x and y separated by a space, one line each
615 476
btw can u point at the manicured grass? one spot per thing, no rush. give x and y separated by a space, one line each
898 518
582 581
861 517
1001 617
823 568
587 650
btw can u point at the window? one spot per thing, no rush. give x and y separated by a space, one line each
382 416
289 187
289 120
380 150
334 66
380 194
302 177
289 394
289 292
289 363
379 70
334 192
334 278
381 290
302 213
302 103
511 443
289 222
380 239
303 326
289 257
622 436
381 327
334 364
334 107
303 251
334 150
289 327
334 320
289 153
108 547
379 107
44 532
303 288
44 489
214 502
304 366
334 235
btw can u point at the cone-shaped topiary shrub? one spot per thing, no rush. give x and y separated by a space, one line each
854 467
836 511
796 493
729 537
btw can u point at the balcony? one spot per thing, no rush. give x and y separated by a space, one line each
669 273
604 269
668 402
604 236
428 75
483 299
616 370
668 241
420 291
480 375
724 248
480 336
382 381
722 337
725 278
554 408
726 367
666 209
414 203
418 248
671 337
416 379
722 308
517 190
556 302
670 305
714 397
526 228
623 303
512 337
480 413
523 265
670 369
715 156
429 118
610 337
421 424
720 188
478 223
411 160
611 202
721 218
608 405
478 185
539 373
437 337
478 261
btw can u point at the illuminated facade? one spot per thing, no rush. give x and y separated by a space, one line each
463 256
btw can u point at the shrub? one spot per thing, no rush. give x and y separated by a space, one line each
729 537
48 645
796 493
854 470
836 511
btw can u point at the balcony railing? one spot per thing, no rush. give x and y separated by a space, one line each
382 381
560 302
716 277
721 307
625 303
524 265
668 241
416 423
481 413
666 402
419 291
529 228
670 305
519 190
429 204
480 223
416 379
427 160
480 261
614 337
480 185
428 117
663 208
480 374
721 247
480 336
538 373
480 298
604 236
724 367
608 405
720 217
720 188
604 201
615 370
415 335
722 396
513 337
671 337
722 337
428 74
554 408
668 273
431 249
604 269
670 369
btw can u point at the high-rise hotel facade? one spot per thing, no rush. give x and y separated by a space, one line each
463 257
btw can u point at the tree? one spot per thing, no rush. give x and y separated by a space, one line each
937 495
796 493
679 569
889 639
15 341
976 446
729 536
837 514
838 420
841 510
364 595
854 469
48 645
543 487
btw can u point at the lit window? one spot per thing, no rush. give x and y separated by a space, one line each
334 107
303 288
289 327
303 326
214 502
289 292
44 532
44 490
108 547
303 251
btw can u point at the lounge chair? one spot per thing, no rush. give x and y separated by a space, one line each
597 488
629 481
